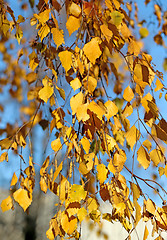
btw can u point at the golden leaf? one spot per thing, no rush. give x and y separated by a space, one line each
53 230
128 110
92 50
82 112
76 101
92 204
66 59
43 17
112 109
86 144
31 77
98 110
90 83
150 206
138 212
58 170
44 166
14 180
7 204
128 94
147 144
77 193
81 214
47 91
75 84
58 36
143 157
23 198
132 136
143 32
63 189
56 145
102 173
73 24
146 233
106 32
4 157
43 185
75 10
156 156
117 18
44 31
135 191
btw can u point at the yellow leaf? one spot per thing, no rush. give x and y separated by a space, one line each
43 32
92 50
102 173
128 110
77 193
14 180
58 170
43 185
128 94
63 189
61 92
81 214
90 83
86 144
82 112
143 157
135 191
159 85
44 166
143 32
66 59
97 109
119 160
5 144
120 207
106 32
76 101
134 47
72 225
150 206
132 136
138 212
31 77
23 198
53 230
147 144
43 17
75 10
47 91
92 204
56 145
156 156
112 109
7 204
144 101
146 233
4 156
58 36
19 33
75 84
73 24
117 18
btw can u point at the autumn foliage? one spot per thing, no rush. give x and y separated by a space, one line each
81 74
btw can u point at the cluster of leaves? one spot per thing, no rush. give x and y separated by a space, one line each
91 89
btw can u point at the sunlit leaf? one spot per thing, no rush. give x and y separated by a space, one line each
92 50
23 198
7 204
